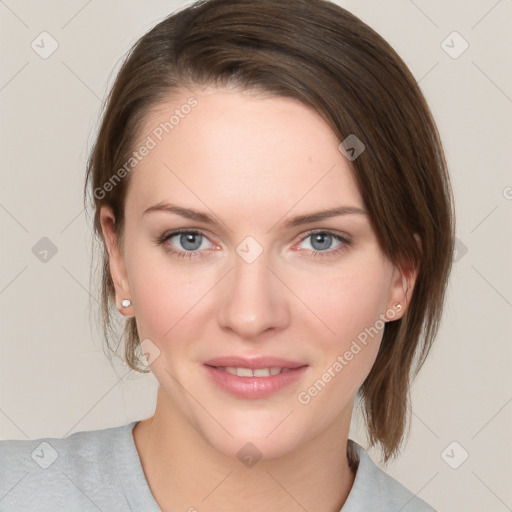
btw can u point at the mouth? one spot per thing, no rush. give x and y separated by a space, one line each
254 383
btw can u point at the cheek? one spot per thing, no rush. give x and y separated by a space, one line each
349 328
347 301
164 292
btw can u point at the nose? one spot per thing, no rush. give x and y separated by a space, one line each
254 301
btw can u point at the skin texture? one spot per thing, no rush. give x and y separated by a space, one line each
252 163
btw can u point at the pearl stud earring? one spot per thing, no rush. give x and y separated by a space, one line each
126 303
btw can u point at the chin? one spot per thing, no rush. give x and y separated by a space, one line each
250 450
254 438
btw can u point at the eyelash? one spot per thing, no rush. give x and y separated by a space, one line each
162 240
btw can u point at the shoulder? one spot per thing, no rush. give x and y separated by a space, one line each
373 489
52 473
84 446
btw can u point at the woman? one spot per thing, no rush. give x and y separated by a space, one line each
277 224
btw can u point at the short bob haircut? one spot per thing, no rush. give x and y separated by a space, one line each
317 53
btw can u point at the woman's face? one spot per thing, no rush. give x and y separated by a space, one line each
253 283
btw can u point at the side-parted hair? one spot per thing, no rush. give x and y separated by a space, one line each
318 53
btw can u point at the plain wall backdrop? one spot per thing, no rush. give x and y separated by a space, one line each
54 376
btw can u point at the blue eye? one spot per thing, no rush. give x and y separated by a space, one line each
192 240
321 243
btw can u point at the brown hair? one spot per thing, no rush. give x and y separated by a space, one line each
323 56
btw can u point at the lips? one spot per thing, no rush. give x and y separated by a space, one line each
254 378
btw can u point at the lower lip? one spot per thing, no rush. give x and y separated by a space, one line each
254 387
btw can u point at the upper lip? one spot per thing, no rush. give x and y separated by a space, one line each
253 363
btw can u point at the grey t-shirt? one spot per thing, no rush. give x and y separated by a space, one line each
100 470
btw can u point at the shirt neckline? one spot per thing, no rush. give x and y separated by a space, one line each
129 466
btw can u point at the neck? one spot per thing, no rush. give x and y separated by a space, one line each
184 472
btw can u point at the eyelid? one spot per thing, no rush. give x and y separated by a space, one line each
174 232
329 231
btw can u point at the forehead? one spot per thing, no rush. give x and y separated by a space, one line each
239 152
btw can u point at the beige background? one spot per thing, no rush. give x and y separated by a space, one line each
54 376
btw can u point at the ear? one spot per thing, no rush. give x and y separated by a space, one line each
116 259
404 280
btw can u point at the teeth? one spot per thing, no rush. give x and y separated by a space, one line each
244 372
258 372
261 372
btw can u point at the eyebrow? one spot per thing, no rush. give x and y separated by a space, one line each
189 213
